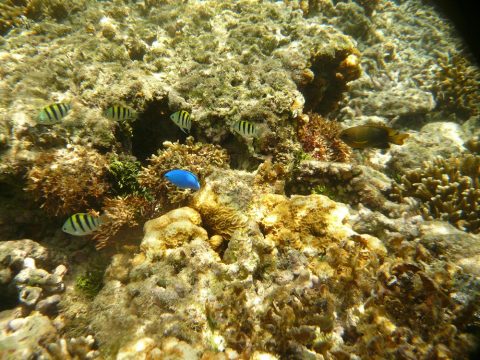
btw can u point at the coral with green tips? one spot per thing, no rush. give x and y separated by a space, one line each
123 176
90 283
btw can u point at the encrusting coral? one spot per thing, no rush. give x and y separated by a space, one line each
319 138
449 189
68 180
220 219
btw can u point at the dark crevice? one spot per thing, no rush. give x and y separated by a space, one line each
240 158
323 93
152 128
8 297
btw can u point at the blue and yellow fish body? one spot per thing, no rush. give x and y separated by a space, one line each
245 128
119 113
183 179
53 113
81 224
182 120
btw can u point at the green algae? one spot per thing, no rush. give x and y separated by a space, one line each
90 283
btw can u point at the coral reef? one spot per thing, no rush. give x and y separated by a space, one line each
319 138
291 248
148 194
197 157
22 282
448 189
434 139
74 348
456 89
172 230
69 180
345 182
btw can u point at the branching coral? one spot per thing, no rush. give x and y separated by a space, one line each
121 212
319 138
448 189
73 348
457 85
68 180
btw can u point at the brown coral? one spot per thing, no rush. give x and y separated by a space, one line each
218 218
198 158
68 180
319 137
457 85
448 189
118 213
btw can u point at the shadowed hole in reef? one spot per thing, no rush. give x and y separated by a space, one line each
8 297
326 88
152 128
240 158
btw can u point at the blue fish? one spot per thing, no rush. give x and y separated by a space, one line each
183 179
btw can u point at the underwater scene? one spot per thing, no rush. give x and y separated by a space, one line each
249 179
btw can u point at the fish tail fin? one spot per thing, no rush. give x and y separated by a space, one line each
397 138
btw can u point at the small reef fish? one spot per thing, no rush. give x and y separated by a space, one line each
245 128
81 224
183 179
53 114
376 136
119 113
182 120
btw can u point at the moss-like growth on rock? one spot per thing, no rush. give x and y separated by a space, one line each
90 283
123 176
448 190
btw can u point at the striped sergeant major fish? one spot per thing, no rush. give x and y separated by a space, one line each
182 120
119 113
245 128
81 224
53 114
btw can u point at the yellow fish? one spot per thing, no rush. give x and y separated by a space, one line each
53 114
376 136
120 113
81 224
